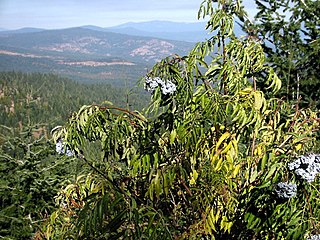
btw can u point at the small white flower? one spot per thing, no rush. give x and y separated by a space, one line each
286 190
167 87
314 237
306 167
69 153
153 85
307 159
294 165
62 149
59 147
159 80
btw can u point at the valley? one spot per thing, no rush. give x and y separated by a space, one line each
84 54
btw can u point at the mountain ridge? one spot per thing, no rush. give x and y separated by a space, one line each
178 31
91 53
92 42
85 54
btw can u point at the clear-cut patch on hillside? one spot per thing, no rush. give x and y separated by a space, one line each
81 45
152 49
10 53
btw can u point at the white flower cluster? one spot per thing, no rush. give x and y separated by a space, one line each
306 167
62 149
314 237
286 190
167 87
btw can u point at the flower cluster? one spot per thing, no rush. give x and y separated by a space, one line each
286 190
314 237
167 87
306 167
62 149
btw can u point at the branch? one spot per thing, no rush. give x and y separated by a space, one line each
122 110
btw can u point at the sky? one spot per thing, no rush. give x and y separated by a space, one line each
55 14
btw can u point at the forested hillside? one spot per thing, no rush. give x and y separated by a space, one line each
47 98
31 171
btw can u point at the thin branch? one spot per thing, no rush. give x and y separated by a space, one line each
122 110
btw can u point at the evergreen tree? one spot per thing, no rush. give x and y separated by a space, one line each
31 174
289 31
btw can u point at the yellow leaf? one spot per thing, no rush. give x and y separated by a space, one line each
221 139
226 148
236 171
218 166
298 146
194 177
173 135
214 158
257 100
246 91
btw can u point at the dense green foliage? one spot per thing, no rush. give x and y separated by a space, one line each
206 158
31 175
47 98
115 75
289 32
31 172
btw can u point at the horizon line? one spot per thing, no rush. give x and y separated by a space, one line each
92 25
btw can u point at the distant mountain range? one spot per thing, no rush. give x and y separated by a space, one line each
187 32
21 30
190 32
91 53
84 43
85 53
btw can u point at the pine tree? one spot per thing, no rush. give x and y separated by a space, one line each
289 31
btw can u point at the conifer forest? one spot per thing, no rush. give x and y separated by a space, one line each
220 143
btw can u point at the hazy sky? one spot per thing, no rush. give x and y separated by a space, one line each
52 14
